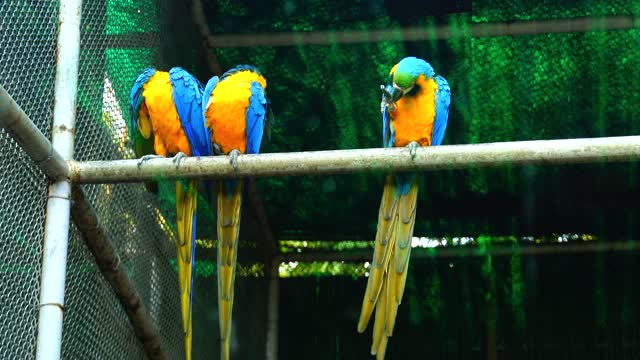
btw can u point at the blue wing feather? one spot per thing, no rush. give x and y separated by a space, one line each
206 95
187 98
443 100
136 98
239 68
256 114
385 124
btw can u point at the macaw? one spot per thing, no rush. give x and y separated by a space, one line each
166 119
236 109
415 108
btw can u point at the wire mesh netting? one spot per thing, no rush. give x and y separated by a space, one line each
110 58
118 39
27 74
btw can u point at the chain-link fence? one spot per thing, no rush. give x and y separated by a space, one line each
27 73
118 39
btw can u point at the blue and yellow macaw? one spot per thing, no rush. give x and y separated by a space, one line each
415 108
166 119
236 109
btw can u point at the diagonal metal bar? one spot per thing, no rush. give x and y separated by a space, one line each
30 138
41 151
542 152
98 242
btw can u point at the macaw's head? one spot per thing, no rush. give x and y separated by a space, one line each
404 76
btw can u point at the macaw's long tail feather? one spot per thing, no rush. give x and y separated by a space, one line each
229 204
186 203
385 236
225 349
388 272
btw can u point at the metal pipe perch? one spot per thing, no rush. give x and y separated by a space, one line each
98 242
30 138
543 152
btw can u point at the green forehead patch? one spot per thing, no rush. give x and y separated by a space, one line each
403 79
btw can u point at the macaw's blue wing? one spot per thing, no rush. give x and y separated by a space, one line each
136 98
187 97
388 137
206 95
385 124
256 114
443 100
140 130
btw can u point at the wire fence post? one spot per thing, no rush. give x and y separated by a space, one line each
56 237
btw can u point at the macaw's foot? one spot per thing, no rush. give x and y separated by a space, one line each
146 158
178 157
413 146
234 158
386 99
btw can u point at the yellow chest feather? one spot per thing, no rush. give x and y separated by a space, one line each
413 117
227 108
167 128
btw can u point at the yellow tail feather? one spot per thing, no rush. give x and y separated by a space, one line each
225 349
186 203
229 204
382 251
388 272
379 322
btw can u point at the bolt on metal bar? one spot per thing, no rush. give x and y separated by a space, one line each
542 152
30 138
98 242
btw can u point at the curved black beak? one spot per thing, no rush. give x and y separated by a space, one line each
396 93
390 94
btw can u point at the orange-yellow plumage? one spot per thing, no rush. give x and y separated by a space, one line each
231 101
158 119
393 69
409 106
226 118
415 121
159 109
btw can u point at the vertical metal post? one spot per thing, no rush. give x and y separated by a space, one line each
273 308
54 259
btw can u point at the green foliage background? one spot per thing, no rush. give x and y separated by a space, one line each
546 86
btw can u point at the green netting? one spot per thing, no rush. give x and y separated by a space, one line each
128 17
541 86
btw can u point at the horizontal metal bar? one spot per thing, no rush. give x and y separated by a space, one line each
441 32
543 152
546 249
98 242
30 138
